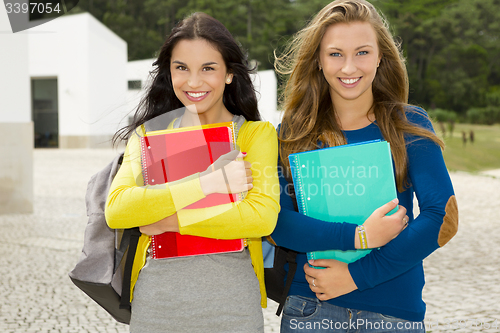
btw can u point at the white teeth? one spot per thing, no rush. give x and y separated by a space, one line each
196 95
350 81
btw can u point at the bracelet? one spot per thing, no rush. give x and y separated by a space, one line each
362 237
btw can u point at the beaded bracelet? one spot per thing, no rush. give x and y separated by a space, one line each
362 237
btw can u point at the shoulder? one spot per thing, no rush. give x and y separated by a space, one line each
257 129
418 117
133 142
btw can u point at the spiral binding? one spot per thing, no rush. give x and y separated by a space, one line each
234 133
234 130
298 193
153 247
143 162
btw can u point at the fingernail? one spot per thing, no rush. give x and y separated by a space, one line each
311 261
244 153
395 201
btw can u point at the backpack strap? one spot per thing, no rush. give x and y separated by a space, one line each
162 121
290 260
292 268
133 235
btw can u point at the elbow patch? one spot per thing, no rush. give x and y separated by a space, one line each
450 222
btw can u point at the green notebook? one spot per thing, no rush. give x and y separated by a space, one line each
343 184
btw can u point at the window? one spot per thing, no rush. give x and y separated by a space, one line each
134 85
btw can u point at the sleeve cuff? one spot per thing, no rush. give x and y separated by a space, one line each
349 230
358 276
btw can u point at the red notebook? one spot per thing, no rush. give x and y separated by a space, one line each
169 155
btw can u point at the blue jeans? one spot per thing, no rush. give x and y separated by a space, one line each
305 315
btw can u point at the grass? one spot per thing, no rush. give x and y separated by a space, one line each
483 154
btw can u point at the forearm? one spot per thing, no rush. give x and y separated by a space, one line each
433 228
305 234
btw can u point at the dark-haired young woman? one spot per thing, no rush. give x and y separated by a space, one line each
201 67
348 84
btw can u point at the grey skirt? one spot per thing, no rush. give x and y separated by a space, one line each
209 293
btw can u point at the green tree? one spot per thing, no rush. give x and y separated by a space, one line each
452 47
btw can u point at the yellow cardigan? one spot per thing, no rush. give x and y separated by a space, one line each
130 205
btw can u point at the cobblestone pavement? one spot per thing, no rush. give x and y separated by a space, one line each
39 249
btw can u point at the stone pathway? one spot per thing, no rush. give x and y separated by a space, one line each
38 250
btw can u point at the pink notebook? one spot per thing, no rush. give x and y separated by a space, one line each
170 155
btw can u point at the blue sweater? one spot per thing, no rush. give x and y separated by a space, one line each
389 280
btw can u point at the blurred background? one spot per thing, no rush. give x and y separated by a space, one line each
452 48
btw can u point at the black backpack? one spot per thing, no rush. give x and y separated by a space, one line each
277 287
104 269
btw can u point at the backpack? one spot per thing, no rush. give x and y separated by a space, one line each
277 280
104 269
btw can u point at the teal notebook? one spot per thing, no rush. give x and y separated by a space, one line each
343 184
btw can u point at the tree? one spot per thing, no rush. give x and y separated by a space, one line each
451 47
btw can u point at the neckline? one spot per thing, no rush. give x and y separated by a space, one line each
362 128
177 121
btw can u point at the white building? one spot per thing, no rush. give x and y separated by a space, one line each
78 80
16 146
266 84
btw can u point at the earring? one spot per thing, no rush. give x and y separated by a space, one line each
319 67
228 80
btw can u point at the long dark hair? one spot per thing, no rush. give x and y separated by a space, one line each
239 97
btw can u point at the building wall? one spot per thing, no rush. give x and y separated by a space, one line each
107 82
137 70
266 85
89 62
16 146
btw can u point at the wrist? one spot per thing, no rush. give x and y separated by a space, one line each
208 180
357 244
205 183
362 239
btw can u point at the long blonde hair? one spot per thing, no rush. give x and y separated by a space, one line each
309 114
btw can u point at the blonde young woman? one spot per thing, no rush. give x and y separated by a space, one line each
348 83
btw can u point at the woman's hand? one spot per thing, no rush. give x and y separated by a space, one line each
333 281
380 228
168 224
228 174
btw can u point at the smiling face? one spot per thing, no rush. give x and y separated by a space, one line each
199 76
349 56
